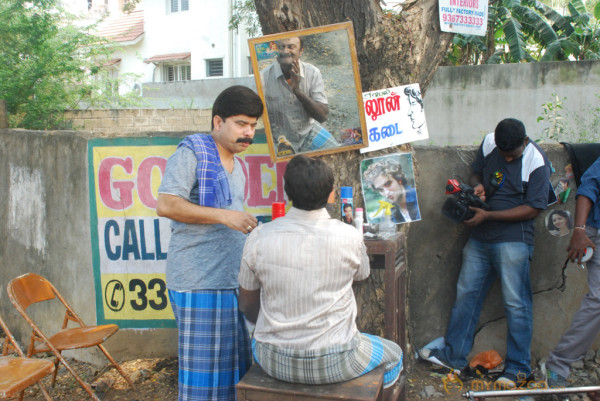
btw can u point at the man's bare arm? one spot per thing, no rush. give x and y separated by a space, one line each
250 303
179 209
519 213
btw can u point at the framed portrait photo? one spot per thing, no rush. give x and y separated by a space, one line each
310 85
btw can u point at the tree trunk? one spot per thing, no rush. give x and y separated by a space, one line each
393 50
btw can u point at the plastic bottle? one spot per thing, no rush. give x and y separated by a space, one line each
387 228
359 219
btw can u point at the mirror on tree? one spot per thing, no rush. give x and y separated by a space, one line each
309 82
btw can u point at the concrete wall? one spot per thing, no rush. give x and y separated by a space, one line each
196 94
45 212
46 215
462 104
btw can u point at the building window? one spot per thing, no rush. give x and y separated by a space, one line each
214 68
181 72
176 6
250 70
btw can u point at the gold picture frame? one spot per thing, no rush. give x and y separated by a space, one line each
319 63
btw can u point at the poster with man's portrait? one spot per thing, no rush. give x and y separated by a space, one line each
389 182
394 116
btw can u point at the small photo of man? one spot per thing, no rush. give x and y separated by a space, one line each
390 178
348 216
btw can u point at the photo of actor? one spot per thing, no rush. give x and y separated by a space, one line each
386 177
295 100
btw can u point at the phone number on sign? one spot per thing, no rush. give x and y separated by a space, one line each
462 19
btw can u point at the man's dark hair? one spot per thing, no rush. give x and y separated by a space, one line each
509 134
237 100
308 182
346 206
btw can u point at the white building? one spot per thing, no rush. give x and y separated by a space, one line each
170 40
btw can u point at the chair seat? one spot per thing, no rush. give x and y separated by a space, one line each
257 385
79 337
18 373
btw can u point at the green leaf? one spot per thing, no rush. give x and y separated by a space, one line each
514 39
576 7
597 11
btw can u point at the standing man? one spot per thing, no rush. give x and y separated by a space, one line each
500 245
296 284
202 192
388 179
295 99
585 325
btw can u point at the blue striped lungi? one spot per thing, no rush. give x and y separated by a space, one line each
214 347
331 364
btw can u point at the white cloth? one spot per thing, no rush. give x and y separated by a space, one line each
287 116
304 264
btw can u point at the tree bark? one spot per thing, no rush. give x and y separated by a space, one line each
392 50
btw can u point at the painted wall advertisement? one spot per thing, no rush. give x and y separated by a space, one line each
468 17
130 242
394 116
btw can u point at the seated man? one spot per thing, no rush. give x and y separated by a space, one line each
296 284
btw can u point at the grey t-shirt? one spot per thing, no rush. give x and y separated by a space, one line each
201 256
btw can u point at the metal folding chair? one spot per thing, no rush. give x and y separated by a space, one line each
18 372
31 288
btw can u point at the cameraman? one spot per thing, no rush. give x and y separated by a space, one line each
511 173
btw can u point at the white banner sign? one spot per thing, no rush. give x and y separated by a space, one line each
468 17
394 116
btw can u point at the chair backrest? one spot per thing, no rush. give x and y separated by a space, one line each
10 343
30 288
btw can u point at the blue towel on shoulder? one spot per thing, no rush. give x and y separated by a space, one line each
213 187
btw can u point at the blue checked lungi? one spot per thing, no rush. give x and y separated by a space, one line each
214 346
332 364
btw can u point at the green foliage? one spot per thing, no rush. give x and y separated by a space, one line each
529 30
581 126
48 64
552 115
243 13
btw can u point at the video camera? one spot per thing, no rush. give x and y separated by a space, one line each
456 208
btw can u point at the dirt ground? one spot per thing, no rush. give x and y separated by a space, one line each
156 380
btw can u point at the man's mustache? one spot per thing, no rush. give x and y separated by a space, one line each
245 140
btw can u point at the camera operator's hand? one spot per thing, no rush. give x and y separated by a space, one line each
479 190
479 217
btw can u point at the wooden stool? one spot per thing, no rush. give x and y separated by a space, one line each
256 385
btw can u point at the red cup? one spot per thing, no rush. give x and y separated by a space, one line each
277 210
